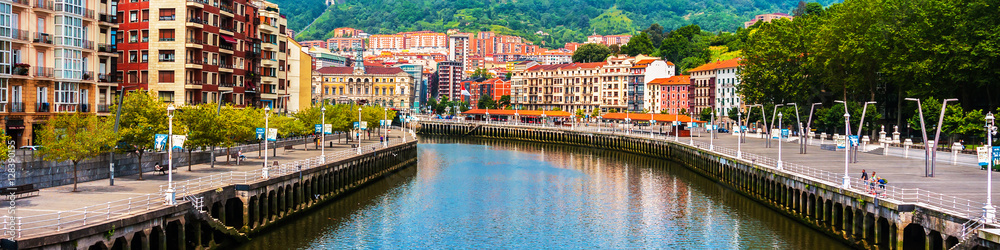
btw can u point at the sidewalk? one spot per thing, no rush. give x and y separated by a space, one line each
129 195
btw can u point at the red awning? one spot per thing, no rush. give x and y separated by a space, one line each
228 39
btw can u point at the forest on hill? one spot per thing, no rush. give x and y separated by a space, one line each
561 21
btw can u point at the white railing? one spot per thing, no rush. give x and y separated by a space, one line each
58 221
947 203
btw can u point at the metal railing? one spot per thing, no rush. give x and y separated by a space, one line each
70 219
947 203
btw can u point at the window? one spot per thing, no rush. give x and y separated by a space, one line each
166 96
166 76
145 15
145 56
121 57
42 95
167 15
133 16
3 90
166 35
67 92
133 36
133 56
166 55
145 36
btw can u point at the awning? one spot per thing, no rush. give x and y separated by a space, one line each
527 113
228 39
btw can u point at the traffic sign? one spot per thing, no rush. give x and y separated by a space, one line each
996 155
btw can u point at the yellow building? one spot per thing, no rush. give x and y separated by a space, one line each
372 84
299 78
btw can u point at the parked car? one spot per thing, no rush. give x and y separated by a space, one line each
31 147
722 130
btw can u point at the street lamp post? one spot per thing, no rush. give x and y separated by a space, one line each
779 140
861 127
847 132
267 114
989 210
385 138
322 134
847 151
711 133
772 124
923 128
739 138
171 195
118 114
359 130
937 135
218 110
809 126
799 123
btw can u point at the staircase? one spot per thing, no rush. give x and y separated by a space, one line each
473 129
197 202
969 230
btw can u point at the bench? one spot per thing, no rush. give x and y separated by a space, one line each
18 191
288 147
161 169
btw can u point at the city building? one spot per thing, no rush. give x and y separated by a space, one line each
643 72
344 44
299 78
449 78
54 58
347 32
274 56
703 87
550 57
570 87
322 58
386 42
378 85
313 43
614 77
674 95
494 87
726 82
767 18
609 40
419 83
459 51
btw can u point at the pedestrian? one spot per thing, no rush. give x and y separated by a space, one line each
871 184
381 139
881 185
864 177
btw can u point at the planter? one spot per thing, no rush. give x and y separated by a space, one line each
21 71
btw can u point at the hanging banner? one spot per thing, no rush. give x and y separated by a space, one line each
983 154
328 129
160 141
272 134
318 128
841 142
178 141
853 139
260 133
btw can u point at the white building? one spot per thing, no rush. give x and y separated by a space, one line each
726 81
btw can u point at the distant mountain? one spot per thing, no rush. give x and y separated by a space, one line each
562 20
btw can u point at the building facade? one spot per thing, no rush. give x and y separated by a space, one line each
459 50
416 71
614 81
55 57
570 87
703 87
674 94
726 81
449 78
386 86
299 78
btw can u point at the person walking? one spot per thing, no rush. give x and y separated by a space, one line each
864 178
871 184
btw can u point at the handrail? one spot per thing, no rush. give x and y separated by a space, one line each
62 220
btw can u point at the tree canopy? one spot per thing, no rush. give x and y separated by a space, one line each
591 52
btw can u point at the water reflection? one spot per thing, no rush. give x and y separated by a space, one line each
496 194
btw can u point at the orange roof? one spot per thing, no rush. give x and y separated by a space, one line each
673 80
518 112
643 63
646 117
569 66
731 63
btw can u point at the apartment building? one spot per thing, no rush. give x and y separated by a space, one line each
674 94
425 40
614 83
313 43
643 72
726 82
609 40
459 50
386 42
325 58
344 44
449 78
419 85
273 57
51 57
379 85
570 87
299 78
703 87
347 32
190 52
494 88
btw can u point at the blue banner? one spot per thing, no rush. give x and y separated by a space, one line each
260 133
853 139
996 155
160 141
784 133
319 128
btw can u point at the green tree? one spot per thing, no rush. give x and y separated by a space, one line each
664 111
705 115
202 125
4 150
591 52
504 101
486 102
481 73
656 34
76 137
595 113
142 117
639 45
240 125
579 113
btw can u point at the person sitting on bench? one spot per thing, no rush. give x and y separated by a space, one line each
241 156
159 168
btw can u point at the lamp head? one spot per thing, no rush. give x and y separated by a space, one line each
846 115
779 115
911 99
951 100
323 108
792 103
989 117
872 102
170 109
267 108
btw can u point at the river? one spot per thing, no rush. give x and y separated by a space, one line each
494 194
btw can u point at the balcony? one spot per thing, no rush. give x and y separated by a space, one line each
226 48
195 22
267 28
107 20
225 68
89 14
41 107
168 18
194 43
21 3
44 6
197 3
88 76
228 30
193 84
106 78
226 9
44 72
193 63
269 46
169 58
19 35
104 108
71 108
87 45
271 63
106 48
42 39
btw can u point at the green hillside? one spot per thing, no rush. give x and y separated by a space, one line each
563 20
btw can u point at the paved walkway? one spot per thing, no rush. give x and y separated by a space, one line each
129 195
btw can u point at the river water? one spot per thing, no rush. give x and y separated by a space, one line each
494 194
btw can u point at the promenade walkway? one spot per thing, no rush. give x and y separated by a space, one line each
58 208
